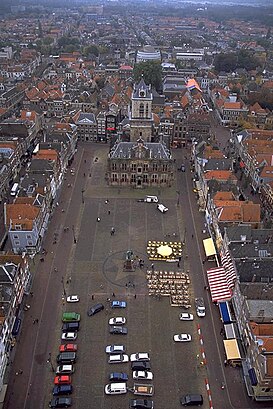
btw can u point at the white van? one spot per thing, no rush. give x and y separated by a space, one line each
151 199
115 388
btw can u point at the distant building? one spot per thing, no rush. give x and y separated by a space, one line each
148 53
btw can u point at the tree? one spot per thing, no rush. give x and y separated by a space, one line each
91 49
151 71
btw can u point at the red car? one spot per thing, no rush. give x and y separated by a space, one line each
62 380
68 348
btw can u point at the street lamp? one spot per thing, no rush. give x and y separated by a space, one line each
82 195
62 280
49 361
74 236
178 197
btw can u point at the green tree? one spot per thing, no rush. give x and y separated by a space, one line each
91 49
151 71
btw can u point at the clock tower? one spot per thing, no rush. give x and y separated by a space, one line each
141 117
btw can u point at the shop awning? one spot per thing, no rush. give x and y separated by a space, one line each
253 377
209 247
225 312
232 349
218 285
229 267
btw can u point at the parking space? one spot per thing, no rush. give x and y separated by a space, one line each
96 271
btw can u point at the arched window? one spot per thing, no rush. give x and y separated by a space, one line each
141 110
147 111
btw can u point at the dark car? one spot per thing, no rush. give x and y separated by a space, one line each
95 309
118 376
118 330
141 366
182 168
71 327
141 404
191 400
62 402
62 390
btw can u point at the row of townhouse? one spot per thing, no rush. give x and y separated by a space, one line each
15 280
27 217
253 149
242 281
18 137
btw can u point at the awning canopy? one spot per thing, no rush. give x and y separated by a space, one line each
209 247
164 251
226 260
219 288
232 349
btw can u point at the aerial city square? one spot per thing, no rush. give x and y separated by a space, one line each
136 203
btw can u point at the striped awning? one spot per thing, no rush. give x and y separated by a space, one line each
229 267
219 288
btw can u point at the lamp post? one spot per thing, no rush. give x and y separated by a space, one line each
178 197
83 196
74 236
49 361
62 280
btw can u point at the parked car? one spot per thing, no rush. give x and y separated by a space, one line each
68 348
185 316
62 390
62 402
118 330
182 168
118 376
141 366
140 356
162 208
143 375
71 327
141 404
95 309
64 369
115 349
62 380
182 337
69 336
118 304
117 321
73 298
118 358
191 400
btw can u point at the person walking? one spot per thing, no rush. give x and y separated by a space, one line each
113 231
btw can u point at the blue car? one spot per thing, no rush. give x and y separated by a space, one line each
118 376
118 304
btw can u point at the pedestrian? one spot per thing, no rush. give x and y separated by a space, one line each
84 174
37 320
55 269
84 160
112 231
106 201
20 371
31 293
98 219
126 285
109 212
34 322
152 267
192 236
135 296
92 296
225 362
113 295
